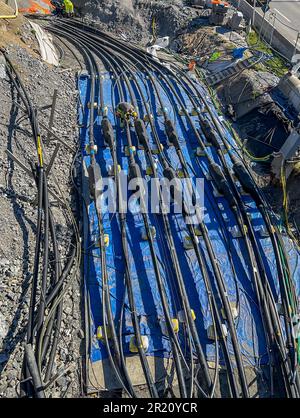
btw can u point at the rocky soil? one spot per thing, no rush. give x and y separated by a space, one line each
19 214
134 18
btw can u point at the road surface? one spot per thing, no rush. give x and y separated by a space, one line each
286 14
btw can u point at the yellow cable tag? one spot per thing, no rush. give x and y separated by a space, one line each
39 150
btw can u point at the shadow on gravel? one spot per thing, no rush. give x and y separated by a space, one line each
13 336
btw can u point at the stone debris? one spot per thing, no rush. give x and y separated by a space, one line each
19 214
137 18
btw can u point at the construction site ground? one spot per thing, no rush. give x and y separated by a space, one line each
261 130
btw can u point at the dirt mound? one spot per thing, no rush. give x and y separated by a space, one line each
137 19
6 10
247 91
17 31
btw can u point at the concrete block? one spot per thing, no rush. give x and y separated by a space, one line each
289 86
236 21
218 19
287 151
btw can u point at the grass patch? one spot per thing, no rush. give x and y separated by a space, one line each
215 56
275 64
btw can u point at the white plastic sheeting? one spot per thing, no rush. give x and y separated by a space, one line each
159 44
2 67
47 49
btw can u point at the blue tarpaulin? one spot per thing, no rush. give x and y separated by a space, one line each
229 249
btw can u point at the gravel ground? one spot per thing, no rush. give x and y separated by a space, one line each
18 220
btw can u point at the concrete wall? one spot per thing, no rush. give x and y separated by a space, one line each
279 42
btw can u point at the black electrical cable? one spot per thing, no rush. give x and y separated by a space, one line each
31 372
240 208
145 220
274 316
107 315
207 242
109 136
133 168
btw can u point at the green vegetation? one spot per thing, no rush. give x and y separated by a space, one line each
276 64
215 56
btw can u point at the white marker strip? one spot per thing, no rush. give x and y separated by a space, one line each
282 15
